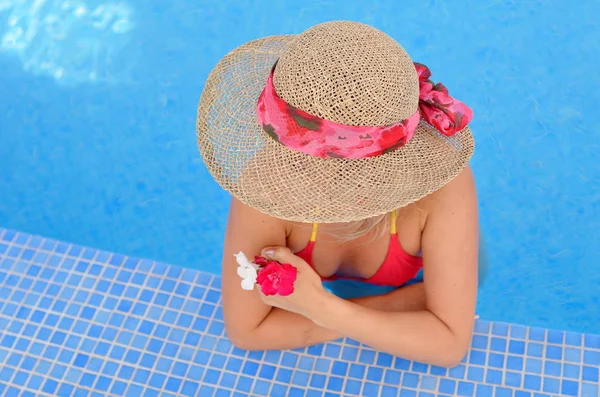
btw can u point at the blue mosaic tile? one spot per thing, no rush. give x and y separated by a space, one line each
592 341
476 374
503 392
533 365
410 380
496 360
477 357
590 389
571 371
552 368
457 372
429 383
484 390
498 344
532 382
438 371
569 388
513 379
81 322
482 327
573 355
447 386
493 377
535 349
516 347
590 374
518 332
392 377
554 352
551 385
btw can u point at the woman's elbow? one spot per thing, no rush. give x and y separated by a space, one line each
451 359
248 339
453 355
240 337
243 343
242 340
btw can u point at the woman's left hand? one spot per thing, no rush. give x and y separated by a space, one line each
308 293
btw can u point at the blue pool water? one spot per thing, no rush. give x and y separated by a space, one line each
97 129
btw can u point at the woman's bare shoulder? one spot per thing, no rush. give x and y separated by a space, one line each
239 211
459 189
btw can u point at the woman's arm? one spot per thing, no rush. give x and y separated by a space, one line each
248 231
406 299
440 334
282 329
253 325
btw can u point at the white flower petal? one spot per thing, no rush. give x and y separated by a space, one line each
247 272
251 273
242 260
241 271
247 284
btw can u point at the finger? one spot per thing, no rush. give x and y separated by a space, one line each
282 255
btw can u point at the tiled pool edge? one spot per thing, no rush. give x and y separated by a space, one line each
76 321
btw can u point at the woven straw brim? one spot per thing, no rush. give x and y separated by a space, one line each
295 186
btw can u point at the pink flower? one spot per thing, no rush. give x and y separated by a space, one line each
275 278
260 261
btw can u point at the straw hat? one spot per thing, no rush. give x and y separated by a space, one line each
294 125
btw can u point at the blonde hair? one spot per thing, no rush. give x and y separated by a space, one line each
376 227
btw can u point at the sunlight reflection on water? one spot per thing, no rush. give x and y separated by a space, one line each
71 41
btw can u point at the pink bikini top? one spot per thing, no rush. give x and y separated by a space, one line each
397 268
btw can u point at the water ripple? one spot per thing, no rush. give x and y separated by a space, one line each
71 41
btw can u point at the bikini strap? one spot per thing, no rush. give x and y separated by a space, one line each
313 235
393 221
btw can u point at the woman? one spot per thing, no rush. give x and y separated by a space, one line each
347 162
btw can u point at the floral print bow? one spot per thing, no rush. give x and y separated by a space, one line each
438 108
